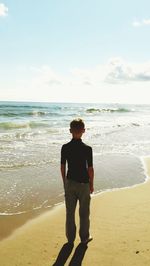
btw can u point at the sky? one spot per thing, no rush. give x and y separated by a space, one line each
75 51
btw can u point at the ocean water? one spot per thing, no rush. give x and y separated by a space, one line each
31 136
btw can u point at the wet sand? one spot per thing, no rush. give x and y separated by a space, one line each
119 225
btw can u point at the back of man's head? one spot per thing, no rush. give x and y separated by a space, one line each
77 124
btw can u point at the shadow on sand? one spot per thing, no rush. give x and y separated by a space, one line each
65 253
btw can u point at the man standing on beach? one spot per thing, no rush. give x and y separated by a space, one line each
78 182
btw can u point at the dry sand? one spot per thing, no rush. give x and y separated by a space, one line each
120 226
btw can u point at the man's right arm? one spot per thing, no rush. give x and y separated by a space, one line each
91 170
91 178
63 172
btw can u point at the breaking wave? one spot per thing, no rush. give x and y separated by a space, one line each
33 113
108 110
14 125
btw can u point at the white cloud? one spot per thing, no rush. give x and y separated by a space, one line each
84 76
116 71
91 77
140 23
122 72
114 81
3 10
46 76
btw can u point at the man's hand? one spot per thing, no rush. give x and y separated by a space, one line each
91 189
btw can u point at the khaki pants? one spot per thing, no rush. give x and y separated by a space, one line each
75 191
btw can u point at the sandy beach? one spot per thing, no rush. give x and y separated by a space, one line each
119 225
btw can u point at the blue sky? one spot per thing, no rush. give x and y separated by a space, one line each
67 50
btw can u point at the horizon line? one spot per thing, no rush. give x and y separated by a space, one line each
69 102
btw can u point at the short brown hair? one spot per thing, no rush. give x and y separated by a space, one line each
77 124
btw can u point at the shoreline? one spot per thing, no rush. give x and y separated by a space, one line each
11 223
119 226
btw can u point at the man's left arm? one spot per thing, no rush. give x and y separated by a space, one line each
63 164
